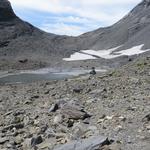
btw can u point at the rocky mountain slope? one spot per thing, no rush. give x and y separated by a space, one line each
101 112
24 46
132 30
20 40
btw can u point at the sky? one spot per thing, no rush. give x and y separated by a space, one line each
72 17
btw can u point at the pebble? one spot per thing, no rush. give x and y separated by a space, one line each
3 140
36 140
54 108
58 119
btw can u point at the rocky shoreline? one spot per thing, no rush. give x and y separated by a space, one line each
105 112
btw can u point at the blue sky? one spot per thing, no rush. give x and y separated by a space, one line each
72 17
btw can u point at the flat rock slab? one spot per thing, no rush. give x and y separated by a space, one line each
92 143
73 112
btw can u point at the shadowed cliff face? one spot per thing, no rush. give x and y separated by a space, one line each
6 11
11 27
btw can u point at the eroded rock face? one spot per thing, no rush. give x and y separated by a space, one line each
6 11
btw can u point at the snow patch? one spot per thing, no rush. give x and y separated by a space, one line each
102 53
132 51
79 56
106 54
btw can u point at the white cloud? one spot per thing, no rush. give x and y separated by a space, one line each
70 25
59 6
62 29
94 12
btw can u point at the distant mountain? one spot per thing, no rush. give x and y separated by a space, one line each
24 46
20 40
132 30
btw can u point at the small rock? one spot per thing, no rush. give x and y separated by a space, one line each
118 128
18 112
97 91
50 133
86 121
10 127
26 144
47 92
147 118
18 140
3 140
109 117
36 140
28 102
148 127
122 118
35 97
58 119
91 130
70 123
23 61
54 108
100 121
131 108
79 129
26 120
43 129
77 90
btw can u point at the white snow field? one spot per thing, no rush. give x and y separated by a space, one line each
102 53
106 54
79 56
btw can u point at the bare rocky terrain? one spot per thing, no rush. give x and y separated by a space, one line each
108 111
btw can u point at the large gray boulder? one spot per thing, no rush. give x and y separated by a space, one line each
92 143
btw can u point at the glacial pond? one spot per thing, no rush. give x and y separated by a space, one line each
40 75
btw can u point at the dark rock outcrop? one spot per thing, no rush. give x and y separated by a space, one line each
6 12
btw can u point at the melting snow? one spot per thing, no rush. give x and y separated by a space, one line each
79 56
102 53
132 51
106 54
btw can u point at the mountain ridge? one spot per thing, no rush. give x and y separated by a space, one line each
20 40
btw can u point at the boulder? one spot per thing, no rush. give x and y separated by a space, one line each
36 140
92 143
74 112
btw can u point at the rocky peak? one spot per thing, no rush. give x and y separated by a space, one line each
6 11
146 3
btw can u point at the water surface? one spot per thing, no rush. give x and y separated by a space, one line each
39 75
